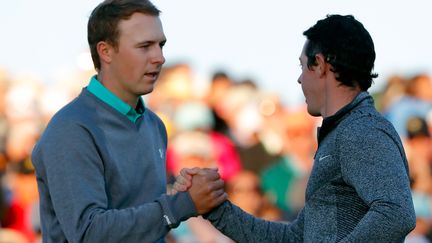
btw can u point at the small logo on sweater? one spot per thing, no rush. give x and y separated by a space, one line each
167 219
323 157
161 153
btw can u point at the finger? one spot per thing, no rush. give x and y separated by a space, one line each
190 171
172 191
222 198
181 180
194 170
184 181
184 173
216 185
210 174
217 193
179 187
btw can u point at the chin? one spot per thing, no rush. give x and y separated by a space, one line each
147 91
313 112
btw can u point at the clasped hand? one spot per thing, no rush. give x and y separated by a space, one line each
204 185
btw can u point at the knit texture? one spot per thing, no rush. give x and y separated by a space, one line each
358 190
102 177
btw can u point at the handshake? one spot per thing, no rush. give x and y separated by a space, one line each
204 185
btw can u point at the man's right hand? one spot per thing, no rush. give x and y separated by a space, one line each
207 190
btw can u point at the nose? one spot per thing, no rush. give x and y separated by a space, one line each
158 57
298 80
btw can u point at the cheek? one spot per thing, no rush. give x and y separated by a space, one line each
305 85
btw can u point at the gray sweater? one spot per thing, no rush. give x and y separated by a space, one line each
358 190
102 178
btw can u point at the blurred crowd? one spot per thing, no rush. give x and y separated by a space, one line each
264 149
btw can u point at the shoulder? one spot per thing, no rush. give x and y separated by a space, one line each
366 121
368 131
71 120
77 111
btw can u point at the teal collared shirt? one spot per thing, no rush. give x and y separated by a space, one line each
95 87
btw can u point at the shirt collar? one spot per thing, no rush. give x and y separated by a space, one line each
96 88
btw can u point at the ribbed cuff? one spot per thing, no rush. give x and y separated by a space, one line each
177 208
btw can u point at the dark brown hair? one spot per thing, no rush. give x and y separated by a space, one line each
103 22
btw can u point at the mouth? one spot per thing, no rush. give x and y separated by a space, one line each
152 75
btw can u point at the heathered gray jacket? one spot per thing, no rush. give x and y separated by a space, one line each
358 190
102 178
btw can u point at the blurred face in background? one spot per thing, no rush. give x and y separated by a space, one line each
192 149
243 190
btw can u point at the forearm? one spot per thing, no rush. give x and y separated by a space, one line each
146 223
243 227
126 225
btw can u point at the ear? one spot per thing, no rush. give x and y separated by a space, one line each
104 51
321 67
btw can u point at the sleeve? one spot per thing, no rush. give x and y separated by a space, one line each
74 175
371 162
243 227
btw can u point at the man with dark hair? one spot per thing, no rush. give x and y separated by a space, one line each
358 190
100 164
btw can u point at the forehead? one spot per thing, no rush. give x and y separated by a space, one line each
141 27
303 52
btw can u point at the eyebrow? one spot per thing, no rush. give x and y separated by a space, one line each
163 41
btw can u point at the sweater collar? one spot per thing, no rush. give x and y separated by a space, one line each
331 122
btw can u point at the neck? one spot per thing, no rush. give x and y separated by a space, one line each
337 98
110 82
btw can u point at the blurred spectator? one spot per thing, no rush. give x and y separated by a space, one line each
22 136
394 89
194 149
174 86
21 99
53 98
240 109
4 126
284 182
418 146
195 118
12 236
419 154
244 191
23 196
220 84
416 102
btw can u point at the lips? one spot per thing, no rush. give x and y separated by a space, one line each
152 75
